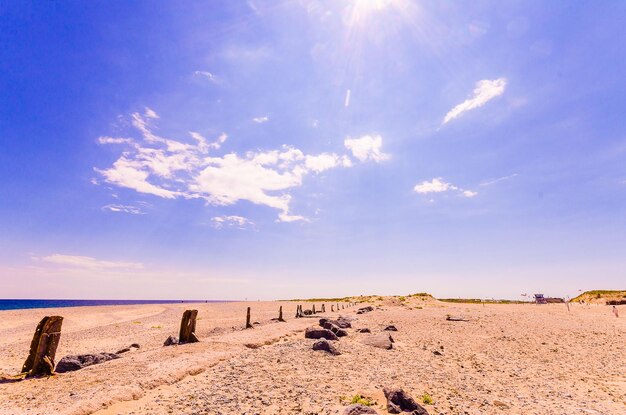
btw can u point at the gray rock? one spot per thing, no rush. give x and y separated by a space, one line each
339 332
382 341
364 330
317 333
308 312
399 401
358 409
170 341
391 328
343 322
72 363
326 346
365 310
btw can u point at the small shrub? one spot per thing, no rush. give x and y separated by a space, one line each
402 298
427 399
363 400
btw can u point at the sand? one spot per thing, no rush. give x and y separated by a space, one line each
507 359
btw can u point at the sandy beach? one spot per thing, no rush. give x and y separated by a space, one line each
506 359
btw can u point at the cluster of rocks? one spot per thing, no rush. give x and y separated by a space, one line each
398 402
71 363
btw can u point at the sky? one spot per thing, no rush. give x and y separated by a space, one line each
305 148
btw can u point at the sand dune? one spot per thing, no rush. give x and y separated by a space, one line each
513 359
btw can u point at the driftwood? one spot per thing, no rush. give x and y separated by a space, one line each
187 332
248 325
43 347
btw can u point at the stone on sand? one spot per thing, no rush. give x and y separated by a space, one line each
326 346
317 333
399 401
391 328
72 363
170 341
358 409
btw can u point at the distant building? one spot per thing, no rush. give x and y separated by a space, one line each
540 299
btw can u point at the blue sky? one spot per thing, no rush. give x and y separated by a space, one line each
279 149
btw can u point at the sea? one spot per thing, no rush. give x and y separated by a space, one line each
25 304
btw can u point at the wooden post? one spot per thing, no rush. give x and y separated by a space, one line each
297 311
280 314
323 308
332 308
313 308
248 325
43 347
187 333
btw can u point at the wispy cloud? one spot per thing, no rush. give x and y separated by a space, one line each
499 179
484 92
438 185
175 169
239 222
367 147
206 75
260 120
133 210
86 262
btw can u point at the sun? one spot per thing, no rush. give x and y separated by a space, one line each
367 6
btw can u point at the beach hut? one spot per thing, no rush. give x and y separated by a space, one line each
540 299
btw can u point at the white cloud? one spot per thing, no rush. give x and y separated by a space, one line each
438 185
151 114
260 120
174 169
499 179
114 140
134 210
484 91
366 148
206 74
239 222
326 161
77 261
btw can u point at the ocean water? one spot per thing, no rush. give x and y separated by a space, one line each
25 304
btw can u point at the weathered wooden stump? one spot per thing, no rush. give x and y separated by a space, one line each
43 347
248 325
323 308
313 308
297 311
280 314
332 308
187 332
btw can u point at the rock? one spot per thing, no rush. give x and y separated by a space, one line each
365 330
343 323
382 341
358 409
451 318
339 332
364 310
127 349
71 363
437 353
391 328
171 341
323 321
398 401
317 333
326 346
307 312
